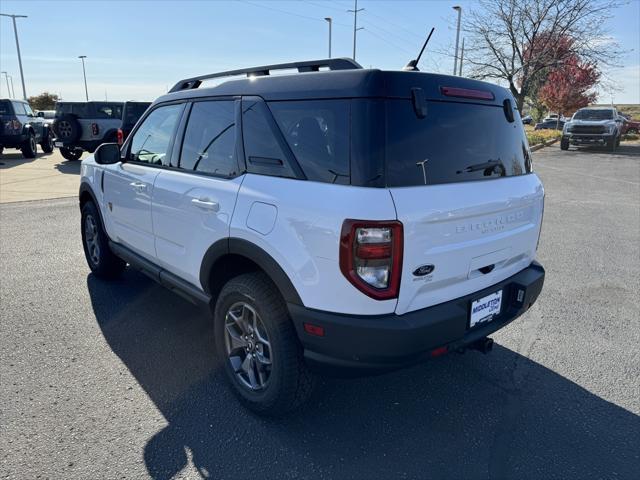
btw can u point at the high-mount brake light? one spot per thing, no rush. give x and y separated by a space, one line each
467 93
371 256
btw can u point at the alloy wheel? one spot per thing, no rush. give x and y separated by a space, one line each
248 346
91 239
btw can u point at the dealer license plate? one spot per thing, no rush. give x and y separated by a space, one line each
485 308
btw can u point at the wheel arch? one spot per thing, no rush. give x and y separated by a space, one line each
230 257
86 195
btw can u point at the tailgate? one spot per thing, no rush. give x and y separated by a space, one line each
474 234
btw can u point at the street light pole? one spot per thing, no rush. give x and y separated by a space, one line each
84 73
455 60
6 77
355 25
330 20
15 32
461 58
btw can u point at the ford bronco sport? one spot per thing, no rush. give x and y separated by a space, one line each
83 126
339 220
21 129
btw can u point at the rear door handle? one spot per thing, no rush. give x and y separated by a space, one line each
205 204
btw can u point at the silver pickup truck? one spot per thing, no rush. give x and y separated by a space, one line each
593 126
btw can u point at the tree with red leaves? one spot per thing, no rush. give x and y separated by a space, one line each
570 87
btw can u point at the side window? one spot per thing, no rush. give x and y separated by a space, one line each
318 135
210 139
262 150
150 143
18 108
108 111
27 109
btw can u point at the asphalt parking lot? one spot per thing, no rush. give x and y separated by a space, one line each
118 380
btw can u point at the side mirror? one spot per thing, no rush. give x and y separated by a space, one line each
40 114
107 154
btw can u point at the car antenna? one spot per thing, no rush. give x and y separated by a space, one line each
412 66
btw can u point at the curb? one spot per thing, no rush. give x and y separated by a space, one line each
542 145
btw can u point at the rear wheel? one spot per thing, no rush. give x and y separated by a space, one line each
102 261
47 142
633 131
30 147
258 346
71 153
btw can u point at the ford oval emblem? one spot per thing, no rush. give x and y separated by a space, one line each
423 270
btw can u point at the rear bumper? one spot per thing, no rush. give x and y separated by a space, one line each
87 145
360 345
13 141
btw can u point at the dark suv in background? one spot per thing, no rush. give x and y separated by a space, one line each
83 126
20 128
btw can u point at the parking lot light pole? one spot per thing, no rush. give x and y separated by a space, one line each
6 77
84 73
15 32
455 59
330 20
13 91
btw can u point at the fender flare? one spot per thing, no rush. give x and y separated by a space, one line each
85 188
260 257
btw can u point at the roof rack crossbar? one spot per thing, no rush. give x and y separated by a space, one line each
308 66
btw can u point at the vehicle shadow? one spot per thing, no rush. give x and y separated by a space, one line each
461 416
13 158
625 149
71 167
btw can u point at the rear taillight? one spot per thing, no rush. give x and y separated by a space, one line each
467 93
120 136
13 125
371 256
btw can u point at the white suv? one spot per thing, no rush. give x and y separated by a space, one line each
337 220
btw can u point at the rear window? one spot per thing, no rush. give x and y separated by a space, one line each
5 108
318 134
455 142
81 110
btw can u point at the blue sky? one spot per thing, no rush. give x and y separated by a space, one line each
138 49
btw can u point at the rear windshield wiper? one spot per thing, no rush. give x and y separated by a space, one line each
489 167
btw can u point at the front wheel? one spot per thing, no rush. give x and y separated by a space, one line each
611 145
258 346
70 153
30 147
564 144
102 261
47 142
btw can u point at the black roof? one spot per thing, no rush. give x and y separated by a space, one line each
352 83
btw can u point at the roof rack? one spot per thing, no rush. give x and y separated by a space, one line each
308 66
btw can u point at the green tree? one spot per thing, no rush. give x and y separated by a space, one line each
44 101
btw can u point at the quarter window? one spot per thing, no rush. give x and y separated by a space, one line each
210 139
317 132
151 142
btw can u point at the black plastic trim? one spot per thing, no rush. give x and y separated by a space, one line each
244 248
369 344
158 274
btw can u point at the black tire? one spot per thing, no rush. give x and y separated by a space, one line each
101 260
67 128
611 145
71 153
633 131
564 144
30 147
289 383
47 142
